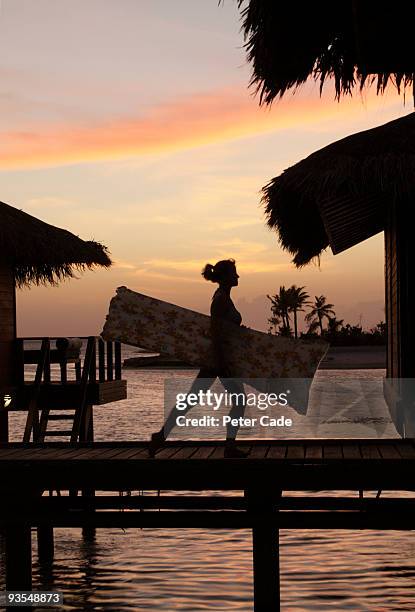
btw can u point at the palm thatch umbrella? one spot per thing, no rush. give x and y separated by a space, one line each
356 43
341 194
33 252
41 253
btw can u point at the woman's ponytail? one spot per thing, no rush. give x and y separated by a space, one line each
208 273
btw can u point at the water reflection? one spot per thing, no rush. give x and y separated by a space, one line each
197 570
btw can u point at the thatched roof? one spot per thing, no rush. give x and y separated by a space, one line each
42 253
339 195
355 43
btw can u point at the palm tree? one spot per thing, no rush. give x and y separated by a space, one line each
319 311
280 308
335 329
277 315
274 322
334 325
297 298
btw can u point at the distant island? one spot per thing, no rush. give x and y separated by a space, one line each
367 357
320 320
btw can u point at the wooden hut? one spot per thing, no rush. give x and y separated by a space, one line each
342 195
33 252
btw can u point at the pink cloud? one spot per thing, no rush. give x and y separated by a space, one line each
198 120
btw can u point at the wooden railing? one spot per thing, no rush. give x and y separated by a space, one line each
97 359
104 357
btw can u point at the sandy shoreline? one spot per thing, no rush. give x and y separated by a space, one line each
354 358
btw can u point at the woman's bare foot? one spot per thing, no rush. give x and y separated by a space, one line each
157 440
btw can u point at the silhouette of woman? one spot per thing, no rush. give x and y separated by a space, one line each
222 309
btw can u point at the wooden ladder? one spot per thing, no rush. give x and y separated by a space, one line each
79 418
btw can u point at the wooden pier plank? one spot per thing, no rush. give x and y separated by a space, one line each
406 450
332 451
259 451
351 450
167 452
75 454
184 453
218 453
203 452
57 454
6 453
53 453
388 451
369 451
277 451
133 454
314 451
107 454
295 451
27 453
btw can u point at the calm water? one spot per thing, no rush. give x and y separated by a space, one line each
197 570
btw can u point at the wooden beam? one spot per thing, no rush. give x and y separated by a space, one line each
217 502
401 521
18 557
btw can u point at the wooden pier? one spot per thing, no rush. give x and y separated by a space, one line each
261 500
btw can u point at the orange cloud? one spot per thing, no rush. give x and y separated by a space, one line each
197 120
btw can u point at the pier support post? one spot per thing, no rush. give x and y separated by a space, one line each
18 542
265 550
45 544
88 531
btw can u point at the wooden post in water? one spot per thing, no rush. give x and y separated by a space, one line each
45 544
87 434
18 558
265 550
89 531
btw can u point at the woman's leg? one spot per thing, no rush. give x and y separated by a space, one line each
238 410
202 382
237 390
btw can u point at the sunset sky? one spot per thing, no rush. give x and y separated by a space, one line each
130 122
